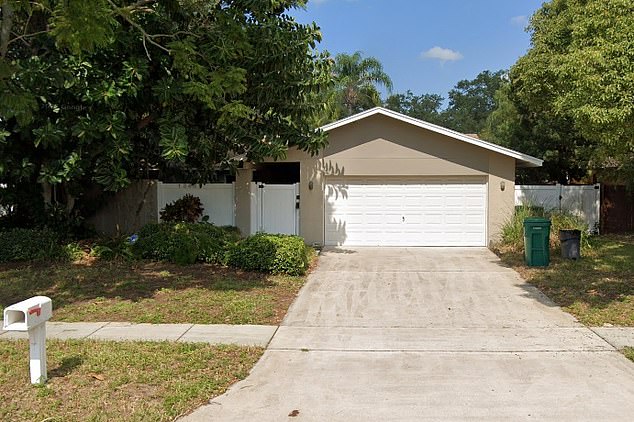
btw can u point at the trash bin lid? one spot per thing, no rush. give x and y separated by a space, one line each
570 231
536 221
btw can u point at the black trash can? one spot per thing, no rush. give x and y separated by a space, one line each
570 243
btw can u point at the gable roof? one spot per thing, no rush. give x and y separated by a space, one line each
523 160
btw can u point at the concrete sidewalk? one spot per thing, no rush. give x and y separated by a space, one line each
246 335
261 335
618 337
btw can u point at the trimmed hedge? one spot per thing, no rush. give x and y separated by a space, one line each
185 243
29 244
270 253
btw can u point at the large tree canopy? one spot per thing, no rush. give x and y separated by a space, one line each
580 69
425 107
547 136
99 92
470 103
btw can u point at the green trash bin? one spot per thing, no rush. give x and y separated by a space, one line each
536 241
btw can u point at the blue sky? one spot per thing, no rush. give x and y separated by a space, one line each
426 45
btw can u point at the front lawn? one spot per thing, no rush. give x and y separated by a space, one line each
598 289
142 291
106 381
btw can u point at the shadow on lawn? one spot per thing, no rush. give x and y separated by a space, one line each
67 365
603 277
67 283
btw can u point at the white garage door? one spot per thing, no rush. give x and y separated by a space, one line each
405 212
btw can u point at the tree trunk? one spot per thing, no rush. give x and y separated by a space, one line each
5 27
47 193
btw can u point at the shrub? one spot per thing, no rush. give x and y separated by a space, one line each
29 244
513 230
188 209
185 243
277 254
113 248
567 221
72 251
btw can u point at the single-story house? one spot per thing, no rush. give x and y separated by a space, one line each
385 179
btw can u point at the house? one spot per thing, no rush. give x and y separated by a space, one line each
385 179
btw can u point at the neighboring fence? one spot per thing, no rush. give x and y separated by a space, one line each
217 199
581 200
128 210
617 209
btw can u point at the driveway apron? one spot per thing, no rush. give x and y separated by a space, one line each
413 334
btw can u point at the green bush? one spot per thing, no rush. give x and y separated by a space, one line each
513 230
565 221
72 251
113 248
29 244
188 209
277 254
185 243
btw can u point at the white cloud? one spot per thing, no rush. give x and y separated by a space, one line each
441 54
521 20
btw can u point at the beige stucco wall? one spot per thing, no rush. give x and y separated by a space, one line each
381 146
501 204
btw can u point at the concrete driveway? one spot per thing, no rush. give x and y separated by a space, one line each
427 334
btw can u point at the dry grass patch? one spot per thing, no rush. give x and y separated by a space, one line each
106 381
93 290
598 289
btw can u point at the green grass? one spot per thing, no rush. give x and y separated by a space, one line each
629 353
94 290
106 381
597 289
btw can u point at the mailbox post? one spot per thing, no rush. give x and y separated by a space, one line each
31 315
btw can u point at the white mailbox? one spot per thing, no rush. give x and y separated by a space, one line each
31 315
27 314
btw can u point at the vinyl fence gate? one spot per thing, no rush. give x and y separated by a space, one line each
274 208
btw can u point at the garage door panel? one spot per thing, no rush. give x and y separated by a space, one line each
433 219
473 201
406 212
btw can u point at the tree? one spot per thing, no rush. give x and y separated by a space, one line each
425 107
97 93
471 102
357 81
512 126
580 68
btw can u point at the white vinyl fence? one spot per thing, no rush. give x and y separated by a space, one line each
581 200
217 199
